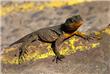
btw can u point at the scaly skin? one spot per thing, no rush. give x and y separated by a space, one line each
55 35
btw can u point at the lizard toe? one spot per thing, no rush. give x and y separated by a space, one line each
58 58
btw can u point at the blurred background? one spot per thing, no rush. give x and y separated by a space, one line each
19 18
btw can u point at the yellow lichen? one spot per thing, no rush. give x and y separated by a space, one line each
68 48
107 30
35 6
94 45
64 51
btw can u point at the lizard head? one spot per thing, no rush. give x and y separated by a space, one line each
73 23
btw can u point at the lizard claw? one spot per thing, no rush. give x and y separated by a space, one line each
58 58
93 35
21 55
88 37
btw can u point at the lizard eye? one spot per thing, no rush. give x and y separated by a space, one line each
69 20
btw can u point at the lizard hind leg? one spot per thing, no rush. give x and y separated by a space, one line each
23 48
23 51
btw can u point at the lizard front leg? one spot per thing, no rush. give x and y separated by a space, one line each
83 35
56 46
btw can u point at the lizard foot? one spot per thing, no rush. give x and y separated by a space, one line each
92 36
58 58
21 55
88 38
95 36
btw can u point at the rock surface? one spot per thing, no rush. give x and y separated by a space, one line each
95 61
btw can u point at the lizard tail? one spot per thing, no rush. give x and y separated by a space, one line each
20 40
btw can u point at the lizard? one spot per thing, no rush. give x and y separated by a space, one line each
54 35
